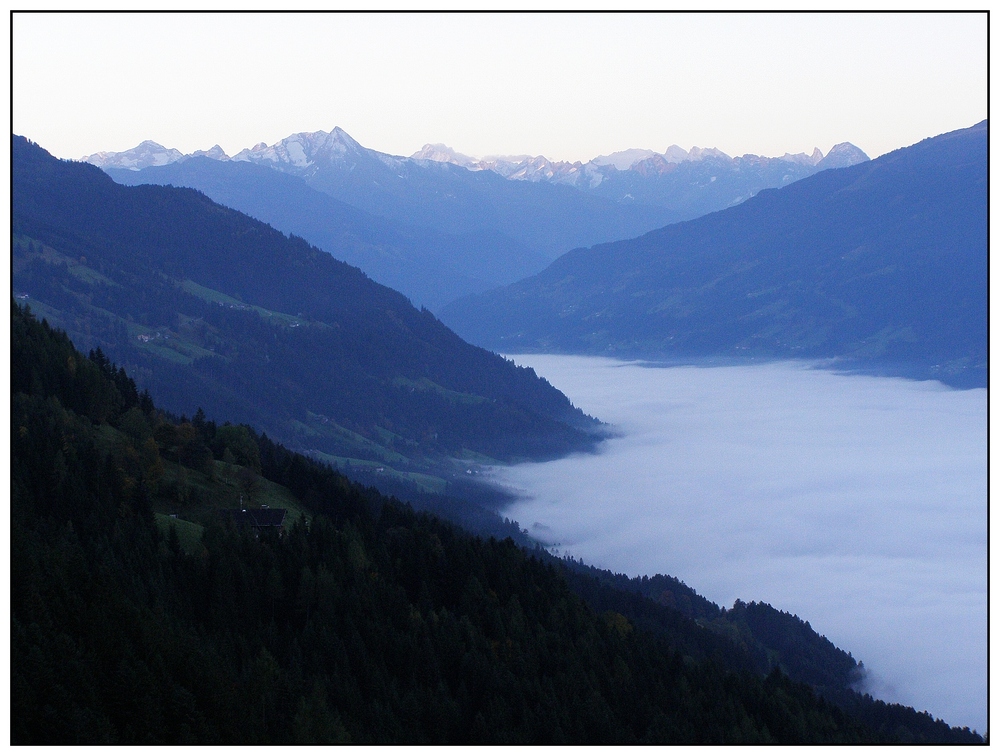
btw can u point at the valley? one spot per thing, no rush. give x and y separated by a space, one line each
383 624
856 502
287 380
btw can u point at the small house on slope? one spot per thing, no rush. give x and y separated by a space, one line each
260 520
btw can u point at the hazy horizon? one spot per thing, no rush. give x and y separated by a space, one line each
857 503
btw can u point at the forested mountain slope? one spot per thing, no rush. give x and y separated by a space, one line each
208 307
363 622
881 264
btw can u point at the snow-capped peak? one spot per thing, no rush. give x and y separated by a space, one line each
624 159
699 153
442 153
305 149
802 158
215 153
842 155
141 156
675 154
629 159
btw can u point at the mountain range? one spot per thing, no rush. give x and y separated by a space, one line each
442 196
604 168
208 307
306 153
438 225
881 264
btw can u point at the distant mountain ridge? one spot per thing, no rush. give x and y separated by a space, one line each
690 183
447 198
591 174
307 150
309 153
881 264
435 231
441 225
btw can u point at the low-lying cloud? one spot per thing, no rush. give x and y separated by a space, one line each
858 503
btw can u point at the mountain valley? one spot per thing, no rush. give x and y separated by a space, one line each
296 370
499 379
142 613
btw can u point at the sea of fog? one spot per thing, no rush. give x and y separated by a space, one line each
857 503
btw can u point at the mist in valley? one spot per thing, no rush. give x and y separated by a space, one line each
857 503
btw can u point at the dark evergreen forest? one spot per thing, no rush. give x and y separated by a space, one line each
364 621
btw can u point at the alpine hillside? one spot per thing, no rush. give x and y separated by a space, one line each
209 308
881 265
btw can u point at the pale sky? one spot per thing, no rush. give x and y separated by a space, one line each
567 86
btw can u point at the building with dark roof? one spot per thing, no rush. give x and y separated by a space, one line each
263 519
